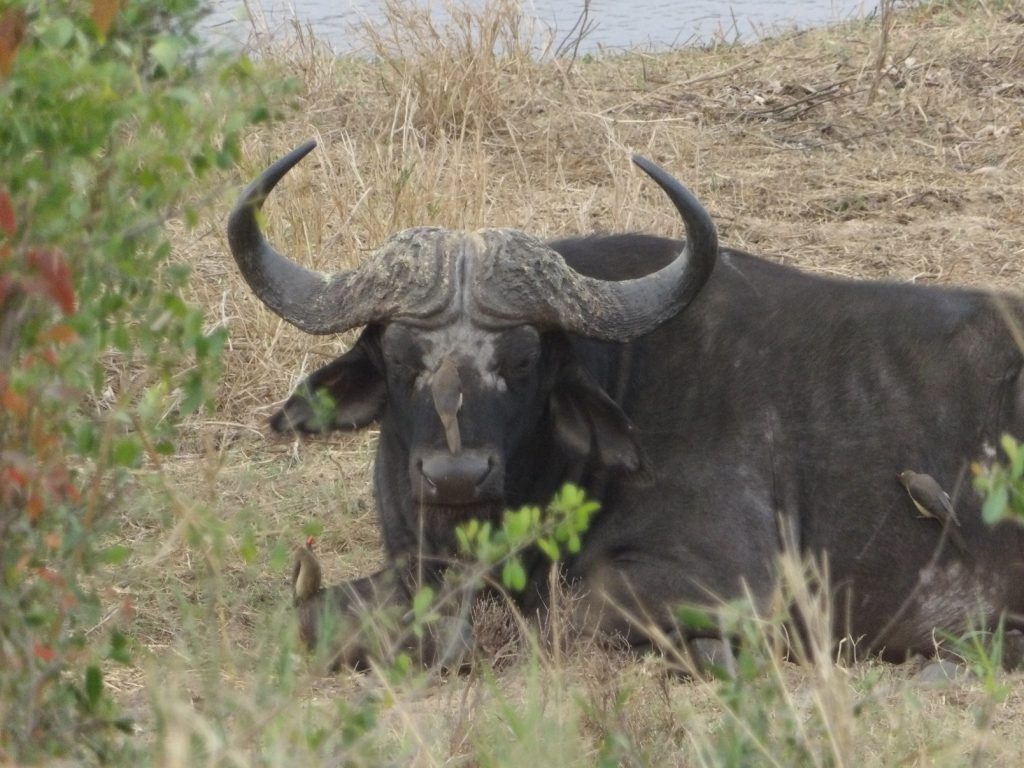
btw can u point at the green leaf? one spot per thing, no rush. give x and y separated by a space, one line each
247 549
127 452
119 649
86 438
422 601
513 575
549 548
695 619
115 555
121 337
280 556
517 524
573 544
994 508
312 528
58 33
93 685
403 664
194 392
167 50
1016 456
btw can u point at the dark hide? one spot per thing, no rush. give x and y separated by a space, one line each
777 405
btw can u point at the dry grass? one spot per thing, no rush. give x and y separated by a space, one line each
810 149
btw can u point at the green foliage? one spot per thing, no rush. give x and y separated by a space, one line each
556 529
762 722
758 720
1002 485
982 650
110 115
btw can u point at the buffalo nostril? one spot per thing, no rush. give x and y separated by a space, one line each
424 474
465 478
491 463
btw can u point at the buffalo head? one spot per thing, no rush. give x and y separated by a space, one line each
466 358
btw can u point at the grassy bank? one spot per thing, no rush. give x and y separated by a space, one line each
844 151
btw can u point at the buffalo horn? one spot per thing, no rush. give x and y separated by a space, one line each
517 279
527 280
400 279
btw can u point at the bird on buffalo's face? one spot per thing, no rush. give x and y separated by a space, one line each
932 502
446 390
306 573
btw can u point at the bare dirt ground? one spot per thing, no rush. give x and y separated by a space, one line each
842 151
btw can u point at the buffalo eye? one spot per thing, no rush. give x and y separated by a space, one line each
519 367
404 367
405 371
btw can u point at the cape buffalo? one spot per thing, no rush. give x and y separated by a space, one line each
719 406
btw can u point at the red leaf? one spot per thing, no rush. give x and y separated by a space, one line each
44 652
8 224
51 266
51 577
15 476
6 283
61 333
35 506
12 30
103 13
70 492
13 402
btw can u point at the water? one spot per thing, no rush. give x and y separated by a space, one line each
650 24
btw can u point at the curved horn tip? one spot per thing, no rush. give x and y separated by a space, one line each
646 165
662 177
638 159
302 150
269 178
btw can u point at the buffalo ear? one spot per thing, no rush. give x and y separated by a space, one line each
346 394
590 425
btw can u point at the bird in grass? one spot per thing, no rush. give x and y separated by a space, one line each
308 593
307 575
932 502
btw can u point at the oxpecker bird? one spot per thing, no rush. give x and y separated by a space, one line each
933 502
446 389
306 573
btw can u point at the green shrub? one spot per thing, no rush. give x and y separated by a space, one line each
110 115
1002 485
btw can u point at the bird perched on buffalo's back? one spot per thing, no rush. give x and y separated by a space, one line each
932 502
